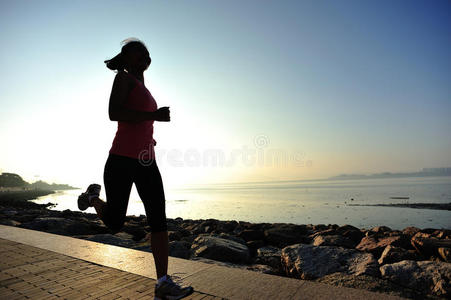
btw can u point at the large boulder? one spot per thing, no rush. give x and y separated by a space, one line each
254 245
442 234
379 229
411 230
231 237
282 235
354 235
333 240
136 230
59 226
120 239
392 254
179 249
424 276
310 262
9 212
445 254
376 245
269 256
217 248
428 246
346 231
252 235
9 222
226 226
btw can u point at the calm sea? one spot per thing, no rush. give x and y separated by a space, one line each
300 202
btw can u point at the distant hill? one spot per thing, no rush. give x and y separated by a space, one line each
42 185
425 172
14 180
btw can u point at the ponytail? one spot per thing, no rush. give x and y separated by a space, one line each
116 63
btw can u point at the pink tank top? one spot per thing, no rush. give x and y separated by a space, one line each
135 139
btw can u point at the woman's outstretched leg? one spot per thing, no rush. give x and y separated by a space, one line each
160 250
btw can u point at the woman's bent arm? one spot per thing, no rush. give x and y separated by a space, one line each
117 111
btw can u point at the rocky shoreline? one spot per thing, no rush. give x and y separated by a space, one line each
413 263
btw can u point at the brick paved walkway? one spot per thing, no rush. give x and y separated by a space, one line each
28 272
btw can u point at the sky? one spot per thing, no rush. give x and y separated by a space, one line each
258 90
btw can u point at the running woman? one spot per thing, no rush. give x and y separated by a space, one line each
131 160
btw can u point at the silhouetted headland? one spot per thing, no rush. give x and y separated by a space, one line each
16 192
12 181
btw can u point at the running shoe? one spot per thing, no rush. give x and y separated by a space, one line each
169 290
84 200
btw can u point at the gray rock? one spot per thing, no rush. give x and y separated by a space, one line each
25 218
59 226
66 226
252 235
268 251
380 229
189 239
269 256
124 235
254 245
174 235
445 253
179 249
377 245
411 230
392 254
9 222
423 276
9 212
287 234
333 240
231 237
354 235
121 239
442 234
309 262
221 249
428 246
136 230
348 231
227 226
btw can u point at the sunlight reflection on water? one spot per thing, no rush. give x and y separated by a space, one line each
308 203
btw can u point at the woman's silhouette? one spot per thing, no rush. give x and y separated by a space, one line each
132 160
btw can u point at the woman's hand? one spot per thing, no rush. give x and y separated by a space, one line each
162 114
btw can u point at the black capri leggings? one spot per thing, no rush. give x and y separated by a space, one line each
119 175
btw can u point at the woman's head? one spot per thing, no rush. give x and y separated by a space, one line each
133 56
